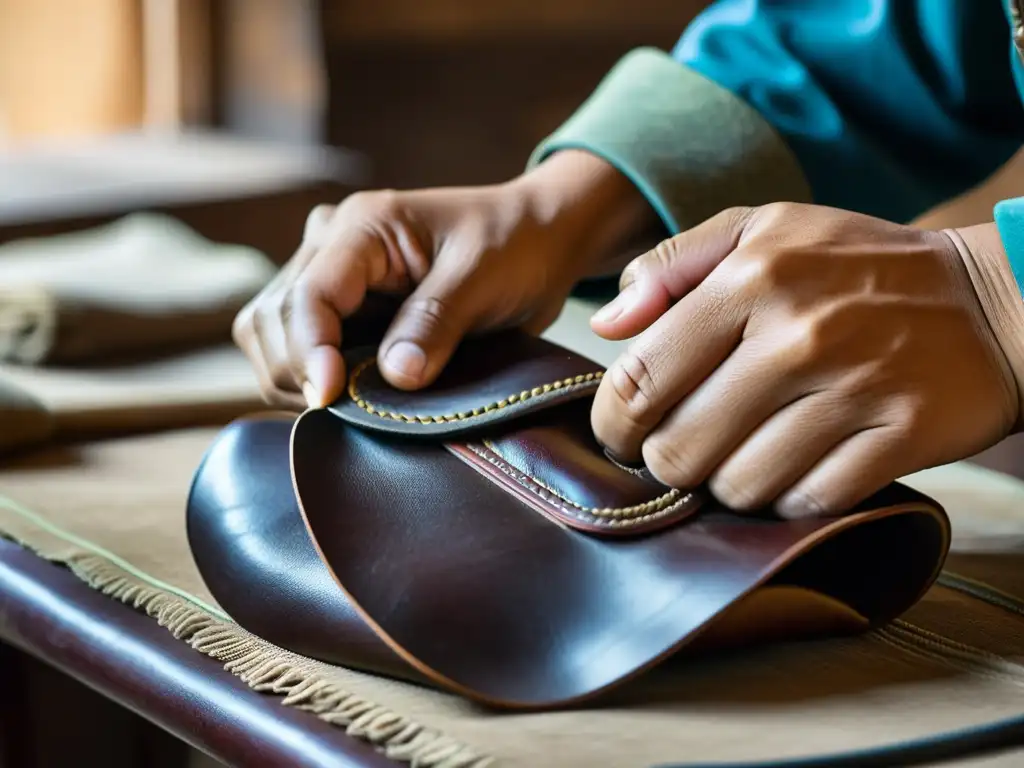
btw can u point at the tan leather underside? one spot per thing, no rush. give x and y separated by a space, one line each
779 612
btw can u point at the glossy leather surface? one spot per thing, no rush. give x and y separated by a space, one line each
125 655
488 381
475 585
261 556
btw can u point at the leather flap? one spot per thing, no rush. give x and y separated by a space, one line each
488 399
488 382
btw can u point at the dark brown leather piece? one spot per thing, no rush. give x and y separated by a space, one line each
478 583
488 381
245 533
125 655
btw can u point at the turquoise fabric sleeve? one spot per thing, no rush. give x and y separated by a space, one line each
887 107
890 106
1009 218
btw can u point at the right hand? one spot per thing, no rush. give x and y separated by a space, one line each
469 260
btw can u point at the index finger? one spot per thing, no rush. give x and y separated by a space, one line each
332 287
664 365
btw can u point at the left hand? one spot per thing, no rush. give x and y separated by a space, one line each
801 356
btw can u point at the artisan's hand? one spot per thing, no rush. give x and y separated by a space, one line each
471 260
803 356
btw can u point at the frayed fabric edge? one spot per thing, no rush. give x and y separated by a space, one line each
268 669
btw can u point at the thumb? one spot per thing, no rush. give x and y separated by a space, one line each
655 280
426 330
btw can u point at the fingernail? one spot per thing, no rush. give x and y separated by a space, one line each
613 310
406 358
796 506
313 399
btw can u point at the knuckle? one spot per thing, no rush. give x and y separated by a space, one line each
657 259
776 212
912 416
671 463
750 273
285 306
661 256
242 326
805 344
736 217
317 220
377 202
426 314
633 385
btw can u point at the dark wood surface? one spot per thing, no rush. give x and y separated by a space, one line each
48 613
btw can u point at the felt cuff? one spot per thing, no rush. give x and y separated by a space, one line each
690 146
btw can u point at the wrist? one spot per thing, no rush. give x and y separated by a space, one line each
596 214
984 256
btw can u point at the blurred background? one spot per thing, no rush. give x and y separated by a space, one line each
158 159
162 102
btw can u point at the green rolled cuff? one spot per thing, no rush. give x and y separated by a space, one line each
690 146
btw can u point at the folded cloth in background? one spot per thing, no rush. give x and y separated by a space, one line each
121 328
145 284
23 419
198 387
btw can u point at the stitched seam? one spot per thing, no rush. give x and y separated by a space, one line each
521 397
653 505
574 510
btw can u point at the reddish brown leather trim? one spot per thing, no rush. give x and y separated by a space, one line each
668 508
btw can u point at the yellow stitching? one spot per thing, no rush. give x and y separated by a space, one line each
373 410
635 513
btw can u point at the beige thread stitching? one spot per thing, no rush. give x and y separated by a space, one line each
654 505
622 517
526 394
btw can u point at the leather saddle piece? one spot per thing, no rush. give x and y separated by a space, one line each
475 537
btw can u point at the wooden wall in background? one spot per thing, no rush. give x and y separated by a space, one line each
433 91
460 91
69 68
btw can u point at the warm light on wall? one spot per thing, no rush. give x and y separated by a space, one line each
69 68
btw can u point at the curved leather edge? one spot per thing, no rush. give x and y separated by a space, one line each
488 381
902 500
254 555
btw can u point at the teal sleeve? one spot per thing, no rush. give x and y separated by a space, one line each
891 107
884 107
1009 219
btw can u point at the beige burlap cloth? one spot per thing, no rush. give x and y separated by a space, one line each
114 511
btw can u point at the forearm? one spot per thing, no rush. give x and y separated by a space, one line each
598 216
993 255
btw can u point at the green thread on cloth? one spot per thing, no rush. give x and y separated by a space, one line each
41 522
